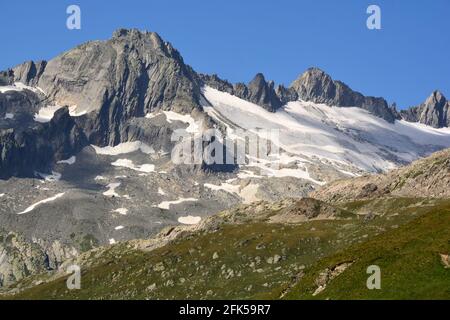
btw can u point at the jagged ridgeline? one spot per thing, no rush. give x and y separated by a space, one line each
109 85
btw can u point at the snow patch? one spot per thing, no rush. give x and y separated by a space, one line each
32 207
248 193
119 228
126 147
112 190
112 241
9 116
122 211
161 192
193 126
166 204
189 220
126 163
46 114
55 176
69 161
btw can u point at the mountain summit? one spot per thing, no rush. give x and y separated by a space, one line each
435 111
317 86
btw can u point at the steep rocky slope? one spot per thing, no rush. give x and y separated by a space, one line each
429 177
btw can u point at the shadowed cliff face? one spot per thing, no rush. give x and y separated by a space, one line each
26 150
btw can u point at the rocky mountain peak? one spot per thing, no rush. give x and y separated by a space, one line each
263 93
436 98
435 111
317 86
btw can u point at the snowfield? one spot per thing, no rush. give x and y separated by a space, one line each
342 136
126 163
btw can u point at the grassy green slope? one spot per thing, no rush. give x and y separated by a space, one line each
409 258
264 260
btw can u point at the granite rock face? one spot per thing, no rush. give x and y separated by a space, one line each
317 86
20 257
263 93
128 76
435 111
257 91
107 84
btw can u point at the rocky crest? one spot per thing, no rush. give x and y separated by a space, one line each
313 85
435 111
317 86
257 91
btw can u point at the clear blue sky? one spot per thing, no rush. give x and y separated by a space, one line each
404 62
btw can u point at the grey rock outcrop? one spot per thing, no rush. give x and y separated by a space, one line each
263 93
29 72
257 91
435 111
19 258
317 86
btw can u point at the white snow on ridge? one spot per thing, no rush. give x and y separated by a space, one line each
350 136
166 204
123 148
126 163
23 86
9 116
32 207
19 86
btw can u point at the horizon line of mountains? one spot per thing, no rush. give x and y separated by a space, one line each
135 73
313 85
